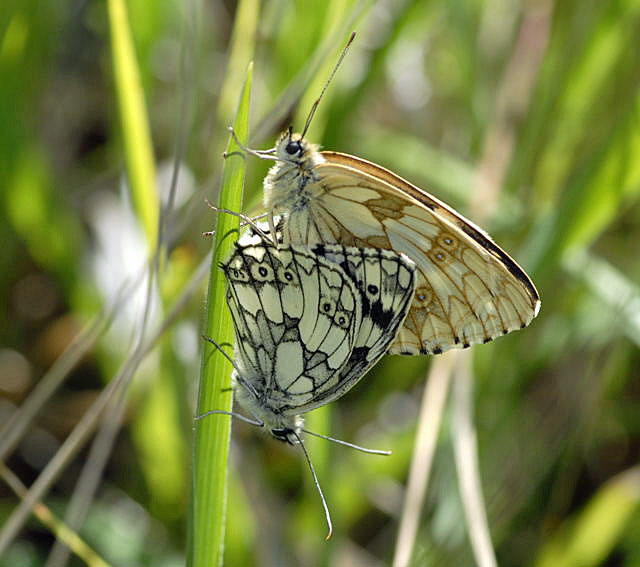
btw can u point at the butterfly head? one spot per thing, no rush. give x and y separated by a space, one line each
287 429
292 148
286 435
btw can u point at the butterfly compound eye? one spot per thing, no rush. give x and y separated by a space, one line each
284 434
292 148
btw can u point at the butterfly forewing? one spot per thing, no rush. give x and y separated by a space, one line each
468 290
385 282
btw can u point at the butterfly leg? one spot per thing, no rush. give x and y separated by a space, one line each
244 218
262 154
232 414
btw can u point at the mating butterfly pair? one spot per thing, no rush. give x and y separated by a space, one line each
309 324
368 264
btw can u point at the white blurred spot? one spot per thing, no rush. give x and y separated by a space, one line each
15 372
406 68
185 342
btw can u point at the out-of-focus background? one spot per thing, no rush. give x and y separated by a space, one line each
524 115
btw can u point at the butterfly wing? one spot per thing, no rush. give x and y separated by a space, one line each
385 282
468 289
296 317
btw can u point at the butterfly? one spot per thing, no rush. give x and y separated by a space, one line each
309 323
468 289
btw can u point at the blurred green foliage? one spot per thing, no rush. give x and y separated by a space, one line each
544 96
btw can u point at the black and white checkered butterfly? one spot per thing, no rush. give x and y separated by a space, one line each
310 323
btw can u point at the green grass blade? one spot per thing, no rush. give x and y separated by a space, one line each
133 121
597 194
241 49
598 527
211 444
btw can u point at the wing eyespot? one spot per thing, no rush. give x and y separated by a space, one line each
262 272
327 306
423 296
447 241
287 276
439 255
237 274
342 319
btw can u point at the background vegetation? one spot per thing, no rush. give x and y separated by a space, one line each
523 115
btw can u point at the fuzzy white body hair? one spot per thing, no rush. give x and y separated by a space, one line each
257 408
284 185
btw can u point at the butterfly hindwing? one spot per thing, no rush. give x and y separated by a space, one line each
295 316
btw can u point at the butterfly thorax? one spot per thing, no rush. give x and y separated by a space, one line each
285 184
285 428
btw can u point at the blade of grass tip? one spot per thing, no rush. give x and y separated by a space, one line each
211 442
133 121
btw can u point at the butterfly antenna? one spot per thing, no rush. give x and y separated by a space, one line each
347 444
272 229
335 68
315 481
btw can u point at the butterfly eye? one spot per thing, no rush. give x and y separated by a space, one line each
292 148
262 272
342 319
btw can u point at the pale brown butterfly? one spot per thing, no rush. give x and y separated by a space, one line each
468 289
